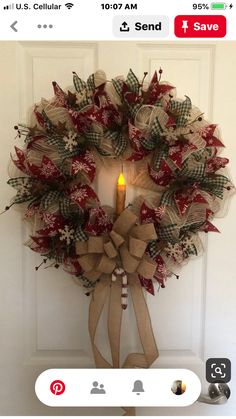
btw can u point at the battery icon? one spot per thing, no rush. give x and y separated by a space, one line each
218 6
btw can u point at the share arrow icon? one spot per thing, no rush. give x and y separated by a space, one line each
124 27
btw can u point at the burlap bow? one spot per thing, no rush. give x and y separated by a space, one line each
124 247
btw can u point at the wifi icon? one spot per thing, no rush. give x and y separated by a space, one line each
69 5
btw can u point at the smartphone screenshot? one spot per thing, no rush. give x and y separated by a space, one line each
117 225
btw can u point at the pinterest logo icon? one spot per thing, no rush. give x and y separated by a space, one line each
57 387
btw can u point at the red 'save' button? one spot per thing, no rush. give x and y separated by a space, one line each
201 26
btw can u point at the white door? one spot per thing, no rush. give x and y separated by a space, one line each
43 315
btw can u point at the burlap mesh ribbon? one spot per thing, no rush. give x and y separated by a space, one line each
99 256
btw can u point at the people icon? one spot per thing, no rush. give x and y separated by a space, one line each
96 389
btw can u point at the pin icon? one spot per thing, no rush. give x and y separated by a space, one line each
57 387
185 25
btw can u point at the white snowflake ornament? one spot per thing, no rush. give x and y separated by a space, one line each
70 141
67 234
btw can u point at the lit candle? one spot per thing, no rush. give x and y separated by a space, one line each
120 195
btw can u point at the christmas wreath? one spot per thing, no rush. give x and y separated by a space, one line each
165 145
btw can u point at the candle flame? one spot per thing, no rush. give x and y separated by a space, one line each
121 180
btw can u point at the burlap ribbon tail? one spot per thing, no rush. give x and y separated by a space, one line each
111 291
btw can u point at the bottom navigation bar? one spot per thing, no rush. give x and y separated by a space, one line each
117 387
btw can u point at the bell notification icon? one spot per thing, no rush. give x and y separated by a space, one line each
138 387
